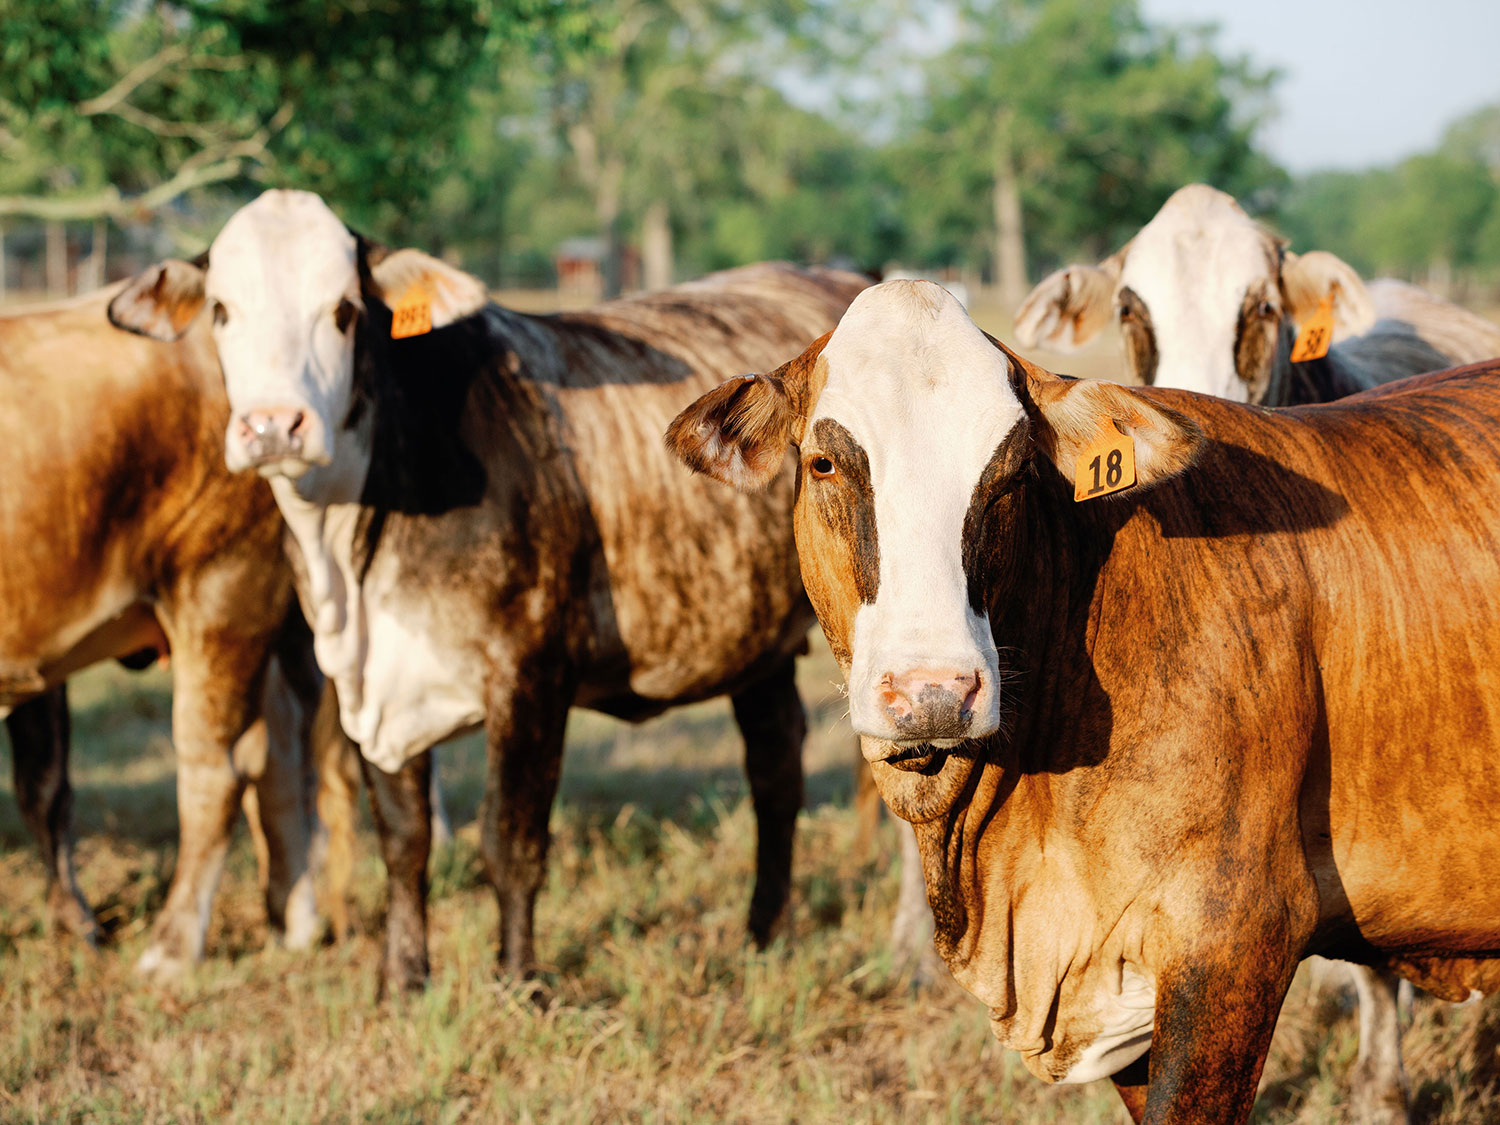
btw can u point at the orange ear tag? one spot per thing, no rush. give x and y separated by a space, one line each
411 315
1107 464
1315 336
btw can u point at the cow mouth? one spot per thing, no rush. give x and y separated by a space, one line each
917 757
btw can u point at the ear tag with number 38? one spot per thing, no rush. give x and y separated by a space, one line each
1107 464
411 315
1316 334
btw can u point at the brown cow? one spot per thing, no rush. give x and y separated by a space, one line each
120 530
489 530
1208 300
1157 746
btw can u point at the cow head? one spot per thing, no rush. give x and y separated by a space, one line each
1206 299
290 289
915 433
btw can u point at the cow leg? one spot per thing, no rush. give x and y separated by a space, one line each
338 767
867 807
278 778
773 724
524 723
1378 1082
442 827
911 929
1131 1084
398 802
214 692
1214 1019
39 738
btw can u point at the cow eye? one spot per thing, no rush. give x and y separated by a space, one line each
221 315
822 468
1265 309
343 315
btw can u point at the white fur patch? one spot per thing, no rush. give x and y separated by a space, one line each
929 399
400 689
1192 265
279 269
1129 1015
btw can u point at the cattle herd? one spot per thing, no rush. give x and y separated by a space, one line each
1175 689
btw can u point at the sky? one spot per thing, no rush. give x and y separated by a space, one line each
1364 82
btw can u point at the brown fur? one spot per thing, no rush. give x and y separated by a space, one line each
122 530
1247 719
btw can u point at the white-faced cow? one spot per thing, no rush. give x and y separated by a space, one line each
1157 746
121 531
489 529
1208 300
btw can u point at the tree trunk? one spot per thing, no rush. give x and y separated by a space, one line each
91 269
607 208
1010 238
57 259
656 246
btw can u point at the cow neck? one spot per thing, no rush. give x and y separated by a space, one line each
1046 554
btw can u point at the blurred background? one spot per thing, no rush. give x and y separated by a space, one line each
578 149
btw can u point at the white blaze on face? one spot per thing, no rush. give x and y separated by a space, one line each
929 399
277 274
1192 266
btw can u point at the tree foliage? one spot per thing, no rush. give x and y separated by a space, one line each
1423 217
112 108
1099 113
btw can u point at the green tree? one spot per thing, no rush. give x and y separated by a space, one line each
667 122
110 109
1064 124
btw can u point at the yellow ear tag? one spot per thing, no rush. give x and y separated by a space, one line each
1315 336
1107 464
411 315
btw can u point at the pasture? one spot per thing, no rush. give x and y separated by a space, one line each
652 1008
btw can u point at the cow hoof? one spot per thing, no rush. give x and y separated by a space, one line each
398 981
304 929
927 970
67 914
161 967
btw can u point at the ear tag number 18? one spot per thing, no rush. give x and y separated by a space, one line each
411 315
1315 336
1107 464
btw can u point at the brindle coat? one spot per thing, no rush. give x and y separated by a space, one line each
120 530
521 512
1248 715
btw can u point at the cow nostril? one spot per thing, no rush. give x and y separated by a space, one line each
974 683
296 423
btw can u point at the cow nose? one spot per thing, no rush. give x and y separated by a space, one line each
271 433
930 702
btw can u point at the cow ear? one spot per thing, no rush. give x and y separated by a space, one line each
162 301
452 293
738 433
1073 412
1069 308
1309 279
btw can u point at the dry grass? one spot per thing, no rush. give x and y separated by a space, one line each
654 1009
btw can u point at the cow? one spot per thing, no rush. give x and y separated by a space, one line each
1209 300
123 535
1238 704
488 530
